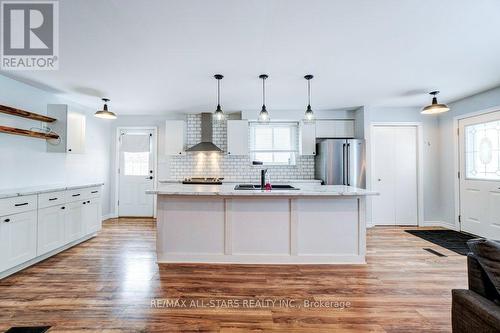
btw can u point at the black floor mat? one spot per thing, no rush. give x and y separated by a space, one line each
33 329
452 240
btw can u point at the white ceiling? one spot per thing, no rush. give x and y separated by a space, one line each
158 56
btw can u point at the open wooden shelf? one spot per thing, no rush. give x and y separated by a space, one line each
23 132
25 114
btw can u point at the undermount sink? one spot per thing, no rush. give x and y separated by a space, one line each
257 187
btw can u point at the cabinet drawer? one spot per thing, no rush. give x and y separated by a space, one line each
16 205
77 195
51 199
93 192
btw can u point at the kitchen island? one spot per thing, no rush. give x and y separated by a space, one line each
217 224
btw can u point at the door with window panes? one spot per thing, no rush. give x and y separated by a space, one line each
136 172
274 143
479 142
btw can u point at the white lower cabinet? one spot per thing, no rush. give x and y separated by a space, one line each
51 229
32 228
17 239
74 221
92 216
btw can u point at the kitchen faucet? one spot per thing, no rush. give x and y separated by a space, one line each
263 173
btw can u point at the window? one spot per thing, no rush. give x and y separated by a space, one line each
274 143
482 151
136 164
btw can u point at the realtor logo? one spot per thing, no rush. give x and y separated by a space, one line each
30 35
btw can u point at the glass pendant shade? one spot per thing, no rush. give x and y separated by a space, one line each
264 115
219 114
105 113
435 107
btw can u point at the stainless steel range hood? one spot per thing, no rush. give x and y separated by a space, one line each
206 143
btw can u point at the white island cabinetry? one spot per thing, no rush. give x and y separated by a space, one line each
218 224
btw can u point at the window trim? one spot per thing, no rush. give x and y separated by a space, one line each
294 137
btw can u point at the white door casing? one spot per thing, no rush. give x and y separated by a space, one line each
395 175
136 157
479 166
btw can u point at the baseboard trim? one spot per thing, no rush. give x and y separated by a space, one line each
441 224
109 216
47 255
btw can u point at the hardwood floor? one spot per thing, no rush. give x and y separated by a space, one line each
108 283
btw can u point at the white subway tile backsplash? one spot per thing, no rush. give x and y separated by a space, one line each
230 167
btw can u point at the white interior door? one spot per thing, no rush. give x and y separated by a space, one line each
136 172
394 175
480 175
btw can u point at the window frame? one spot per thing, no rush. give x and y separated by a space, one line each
294 142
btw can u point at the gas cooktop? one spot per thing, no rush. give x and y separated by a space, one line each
203 181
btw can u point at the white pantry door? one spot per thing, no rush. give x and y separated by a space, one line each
136 172
480 175
394 176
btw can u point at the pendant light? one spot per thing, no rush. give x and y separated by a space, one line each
105 113
309 115
264 115
435 107
218 114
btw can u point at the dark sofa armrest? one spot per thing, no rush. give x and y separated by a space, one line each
470 312
478 279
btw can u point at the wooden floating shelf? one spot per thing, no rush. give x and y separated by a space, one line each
25 114
33 134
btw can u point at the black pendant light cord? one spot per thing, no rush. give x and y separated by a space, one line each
218 93
263 92
309 93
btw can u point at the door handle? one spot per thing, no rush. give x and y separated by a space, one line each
348 164
343 164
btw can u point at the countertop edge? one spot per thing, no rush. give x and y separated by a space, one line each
4 194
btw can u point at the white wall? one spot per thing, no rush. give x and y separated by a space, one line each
431 151
475 103
25 162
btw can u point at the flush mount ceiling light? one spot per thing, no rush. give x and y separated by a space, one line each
309 115
218 114
264 115
105 113
435 107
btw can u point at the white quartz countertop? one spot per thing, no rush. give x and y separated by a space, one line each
253 181
15 192
228 190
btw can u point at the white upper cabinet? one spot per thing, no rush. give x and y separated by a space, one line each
237 137
70 126
175 134
307 138
341 128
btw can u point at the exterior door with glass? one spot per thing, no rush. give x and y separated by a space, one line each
480 175
136 172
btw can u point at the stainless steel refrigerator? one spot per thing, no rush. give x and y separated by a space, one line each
341 162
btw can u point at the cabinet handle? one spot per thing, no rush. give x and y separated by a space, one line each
76 195
229 153
52 199
94 192
180 153
88 201
23 204
69 149
63 207
6 220
84 202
